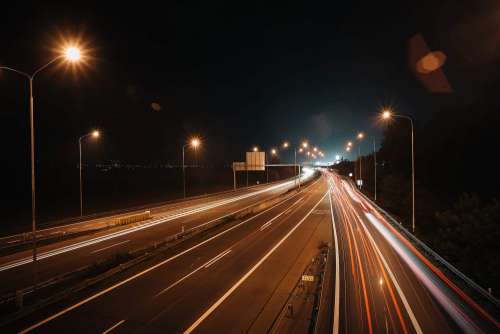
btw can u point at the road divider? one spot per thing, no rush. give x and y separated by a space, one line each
214 306
121 262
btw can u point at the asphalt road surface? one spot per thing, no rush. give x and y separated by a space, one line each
238 280
16 270
385 285
235 281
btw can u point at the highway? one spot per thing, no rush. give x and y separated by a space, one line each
68 255
383 284
244 273
238 280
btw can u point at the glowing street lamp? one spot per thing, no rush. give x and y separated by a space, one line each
387 115
305 144
194 143
71 54
349 143
286 144
273 151
255 149
94 134
360 137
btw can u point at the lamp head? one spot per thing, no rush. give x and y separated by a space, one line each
72 54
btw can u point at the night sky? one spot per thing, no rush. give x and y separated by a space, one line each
236 74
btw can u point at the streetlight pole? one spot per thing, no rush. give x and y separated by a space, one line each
94 134
71 54
194 142
295 166
386 114
360 137
183 172
359 162
375 170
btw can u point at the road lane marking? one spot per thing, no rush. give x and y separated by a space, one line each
152 223
413 319
217 258
113 327
113 245
105 291
243 279
337 272
205 265
268 223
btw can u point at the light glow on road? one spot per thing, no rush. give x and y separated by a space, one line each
433 284
152 223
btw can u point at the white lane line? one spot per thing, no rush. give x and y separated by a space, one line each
337 271
103 292
113 327
113 235
242 279
413 319
205 265
217 258
268 223
113 245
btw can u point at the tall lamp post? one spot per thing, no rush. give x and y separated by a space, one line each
93 134
386 115
274 152
360 137
348 149
71 54
300 149
194 143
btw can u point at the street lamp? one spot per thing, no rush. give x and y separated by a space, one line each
360 137
194 143
300 149
71 54
386 115
94 134
348 149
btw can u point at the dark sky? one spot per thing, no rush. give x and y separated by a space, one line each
236 74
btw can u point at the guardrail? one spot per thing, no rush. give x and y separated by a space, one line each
463 280
84 278
51 232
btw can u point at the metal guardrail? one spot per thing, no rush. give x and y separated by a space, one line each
136 256
467 280
44 234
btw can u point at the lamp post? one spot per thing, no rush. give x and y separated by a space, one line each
195 142
71 54
375 170
273 153
93 134
360 137
387 114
